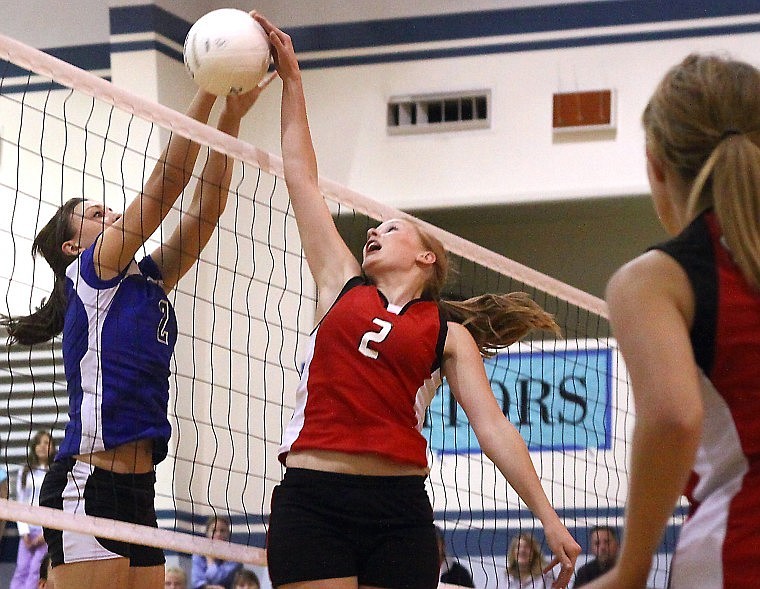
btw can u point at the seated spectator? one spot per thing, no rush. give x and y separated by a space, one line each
526 563
452 572
175 578
246 579
209 572
603 541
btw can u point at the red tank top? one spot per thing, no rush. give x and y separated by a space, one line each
370 374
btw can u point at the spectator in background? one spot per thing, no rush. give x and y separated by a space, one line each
45 581
175 578
209 572
246 579
604 546
31 546
526 565
452 572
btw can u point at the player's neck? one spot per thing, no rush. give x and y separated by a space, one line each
399 290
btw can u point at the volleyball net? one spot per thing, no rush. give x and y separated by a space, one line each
244 314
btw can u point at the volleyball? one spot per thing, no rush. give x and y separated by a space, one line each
226 52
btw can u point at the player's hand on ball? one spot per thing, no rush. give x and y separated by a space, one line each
239 104
283 54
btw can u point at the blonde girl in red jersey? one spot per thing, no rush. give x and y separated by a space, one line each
687 319
352 510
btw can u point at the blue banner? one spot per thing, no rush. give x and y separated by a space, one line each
558 400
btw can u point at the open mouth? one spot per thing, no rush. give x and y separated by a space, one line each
373 246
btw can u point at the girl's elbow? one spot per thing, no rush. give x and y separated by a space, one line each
683 423
167 186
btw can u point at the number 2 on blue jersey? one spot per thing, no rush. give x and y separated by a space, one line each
162 335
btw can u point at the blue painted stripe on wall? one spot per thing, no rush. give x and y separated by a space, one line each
148 18
511 22
94 57
450 27
87 57
124 47
473 50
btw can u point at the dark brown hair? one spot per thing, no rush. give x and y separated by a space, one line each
32 460
47 320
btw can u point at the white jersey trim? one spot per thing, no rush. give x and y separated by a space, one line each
294 427
721 466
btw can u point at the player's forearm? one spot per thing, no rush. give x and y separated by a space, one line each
174 167
178 160
299 159
663 452
507 449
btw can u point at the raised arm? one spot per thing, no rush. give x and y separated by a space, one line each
117 246
330 261
502 443
183 247
650 317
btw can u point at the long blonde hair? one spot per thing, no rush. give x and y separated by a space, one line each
494 320
704 121
537 561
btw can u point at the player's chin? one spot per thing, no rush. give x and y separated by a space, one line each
369 266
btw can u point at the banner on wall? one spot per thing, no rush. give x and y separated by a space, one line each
557 399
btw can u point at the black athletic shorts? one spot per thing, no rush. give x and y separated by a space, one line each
327 525
78 487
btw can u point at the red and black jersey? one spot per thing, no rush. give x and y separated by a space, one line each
718 544
371 370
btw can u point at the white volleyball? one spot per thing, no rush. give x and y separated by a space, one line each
227 52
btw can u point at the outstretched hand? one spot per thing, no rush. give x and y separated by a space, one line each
283 54
239 104
566 551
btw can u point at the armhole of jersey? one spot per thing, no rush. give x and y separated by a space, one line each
86 270
693 251
443 331
149 268
352 282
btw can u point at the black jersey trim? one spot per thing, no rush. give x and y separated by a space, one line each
693 250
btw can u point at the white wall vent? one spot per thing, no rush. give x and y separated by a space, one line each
431 113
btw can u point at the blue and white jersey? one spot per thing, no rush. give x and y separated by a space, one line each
118 339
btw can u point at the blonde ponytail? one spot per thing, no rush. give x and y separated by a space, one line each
497 320
704 122
736 198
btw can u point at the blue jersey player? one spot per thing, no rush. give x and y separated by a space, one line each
119 332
